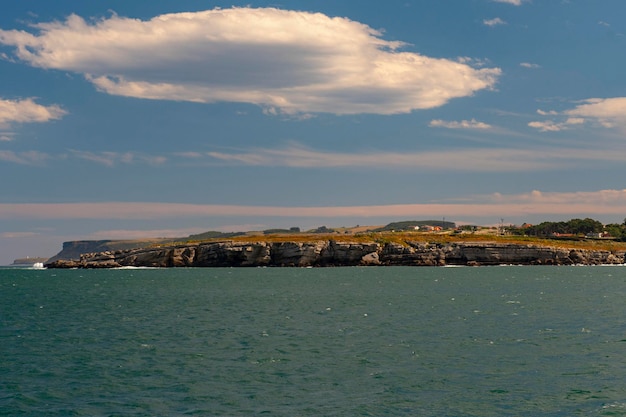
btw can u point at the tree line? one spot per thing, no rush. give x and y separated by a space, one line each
577 227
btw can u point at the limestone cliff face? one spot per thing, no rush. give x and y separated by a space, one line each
331 253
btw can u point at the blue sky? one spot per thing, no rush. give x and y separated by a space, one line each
127 119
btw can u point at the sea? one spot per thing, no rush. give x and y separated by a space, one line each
350 341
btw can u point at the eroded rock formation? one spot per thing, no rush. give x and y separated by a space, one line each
332 253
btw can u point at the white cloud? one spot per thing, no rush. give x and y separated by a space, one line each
529 65
552 126
513 2
574 121
286 61
494 22
463 124
4 137
474 62
608 112
604 112
27 111
548 126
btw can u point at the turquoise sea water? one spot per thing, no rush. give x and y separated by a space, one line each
388 341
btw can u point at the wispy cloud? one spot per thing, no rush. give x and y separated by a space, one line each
111 159
294 155
463 124
596 203
547 113
529 65
461 159
104 158
494 22
17 235
107 159
602 197
170 233
513 2
608 113
285 61
474 62
551 126
142 234
24 158
190 154
27 111
481 160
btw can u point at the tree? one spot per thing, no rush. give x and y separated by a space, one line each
584 226
617 231
573 226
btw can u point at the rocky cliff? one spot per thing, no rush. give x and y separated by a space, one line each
332 253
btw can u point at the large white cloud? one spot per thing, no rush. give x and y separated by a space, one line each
288 61
26 111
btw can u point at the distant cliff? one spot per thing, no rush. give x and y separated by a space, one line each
72 250
29 261
333 253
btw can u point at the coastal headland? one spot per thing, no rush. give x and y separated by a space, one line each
370 249
29 261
